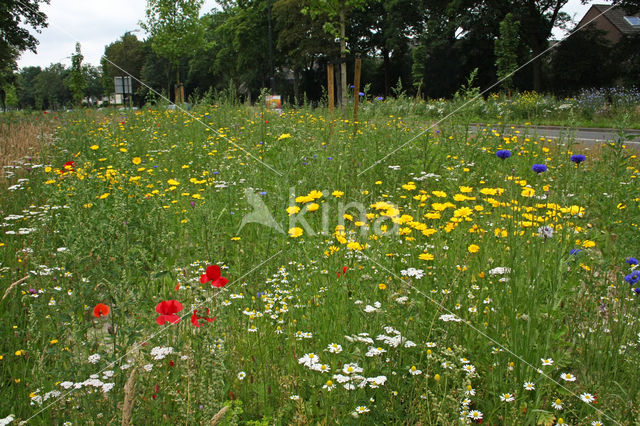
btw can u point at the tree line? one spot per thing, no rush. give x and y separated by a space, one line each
425 48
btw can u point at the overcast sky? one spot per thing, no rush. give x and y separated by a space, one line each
96 23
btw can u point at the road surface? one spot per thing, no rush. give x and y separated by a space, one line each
583 135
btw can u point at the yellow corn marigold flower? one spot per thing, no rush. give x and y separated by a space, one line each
293 210
382 286
337 194
103 196
303 199
410 186
588 244
313 207
354 245
528 192
462 212
315 194
439 194
94 147
20 352
136 160
284 136
426 256
173 182
473 248
295 232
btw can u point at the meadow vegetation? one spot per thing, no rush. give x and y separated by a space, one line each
462 278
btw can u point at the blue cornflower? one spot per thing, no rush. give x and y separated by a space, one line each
574 251
503 153
632 261
633 277
578 158
637 290
263 193
539 168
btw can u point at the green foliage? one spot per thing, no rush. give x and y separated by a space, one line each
174 27
77 79
126 55
506 50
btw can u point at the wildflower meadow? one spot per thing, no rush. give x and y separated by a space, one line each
235 265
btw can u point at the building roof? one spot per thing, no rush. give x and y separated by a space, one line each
616 15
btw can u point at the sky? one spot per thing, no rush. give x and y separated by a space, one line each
97 23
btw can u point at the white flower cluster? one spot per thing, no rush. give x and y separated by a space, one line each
161 352
412 272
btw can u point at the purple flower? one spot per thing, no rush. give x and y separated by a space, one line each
632 261
361 93
539 168
633 277
578 158
379 98
574 251
503 153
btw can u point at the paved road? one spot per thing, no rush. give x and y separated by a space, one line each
587 136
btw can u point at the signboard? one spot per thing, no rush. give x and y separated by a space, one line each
123 85
273 101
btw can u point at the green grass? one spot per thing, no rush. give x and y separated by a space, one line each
155 196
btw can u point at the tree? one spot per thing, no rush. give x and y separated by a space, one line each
125 56
506 50
174 27
15 17
301 43
95 90
389 29
7 79
336 12
537 19
77 81
50 90
25 86
571 69
14 36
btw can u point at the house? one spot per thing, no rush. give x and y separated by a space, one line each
614 21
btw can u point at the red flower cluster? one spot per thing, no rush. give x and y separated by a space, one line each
195 318
69 166
344 271
213 276
167 310
100 310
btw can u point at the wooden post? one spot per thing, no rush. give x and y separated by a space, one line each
330 88
356 89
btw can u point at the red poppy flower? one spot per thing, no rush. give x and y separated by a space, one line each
100 310
167 310
213 275
69 166
195 318
344 271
